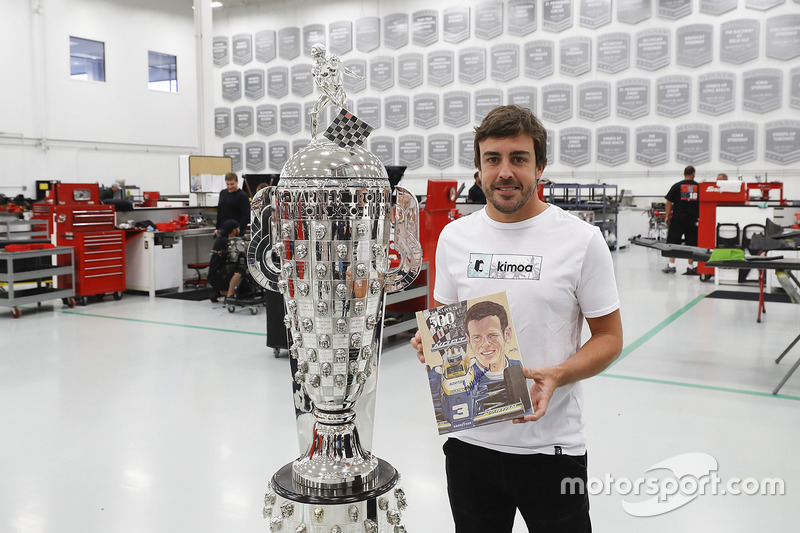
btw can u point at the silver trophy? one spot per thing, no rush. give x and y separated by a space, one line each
322 238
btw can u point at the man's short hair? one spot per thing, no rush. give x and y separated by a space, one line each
688 171
231 176
481 310
722 176
477 173
509 121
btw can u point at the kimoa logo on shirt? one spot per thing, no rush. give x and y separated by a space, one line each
504 266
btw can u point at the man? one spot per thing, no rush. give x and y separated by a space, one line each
489 332
328 73
562 272
475 194
682 211
722 177
224 276
234 204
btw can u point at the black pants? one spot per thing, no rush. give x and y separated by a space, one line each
682 228
487 487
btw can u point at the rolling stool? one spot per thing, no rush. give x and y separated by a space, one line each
200 281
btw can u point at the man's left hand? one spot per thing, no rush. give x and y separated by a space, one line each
545 383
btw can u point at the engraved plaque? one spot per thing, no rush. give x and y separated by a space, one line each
716 93
410 151
278 154
267 119
523 96
266 50
693 143
441 150
299 144
633 98
612 145
633 11
652 49
302 80
485 101
222 121
782 141
539 59
312 34
472 65
278 81
219 51
673 95
466 149
576 56
242 48
521 17
594 100
395 30
783 37
409 70
505 61
556 15
550 149
441 67
488 20
652 145
254 83
738 41
396 112
557 102
383 148
291 118
574 146
717 7
595 13
762 90
426 110
381 72
455 24
794 90
425 27
231 85
693 44
737 142
289 43
234 151
352 84
340 37
256 155
613 52
368 34
455 108
674 9
369 110
762 5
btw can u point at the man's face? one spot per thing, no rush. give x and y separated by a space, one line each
488 340
232 185
509 176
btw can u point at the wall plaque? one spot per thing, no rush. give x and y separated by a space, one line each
633 98
550 149
256 155
289 43
633 11
441 67
234 151
762 89
231 85
278 154
523 96
267 119
693 143
383 148
455 24
783 37
441 150
612 145
368 34
613 52
278 81
576 56
538 57
794 89
717 7
409 70
395 30
595 13
556 15
694 44
737 142
488 20
369 110
485 101
351 83
652 145
312 34
674 9
222 121
594 100
242 48
340 37
738 41
426 110
219 51
472 65
652 49
762 5
292 118
411 151
716 93
521 17
425 27
265 47
466 149
254 83
673 95
396 112
302 80
557 102
455 108
782 141
381 72
504 61
574 146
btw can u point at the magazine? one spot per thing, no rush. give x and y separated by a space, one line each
473 363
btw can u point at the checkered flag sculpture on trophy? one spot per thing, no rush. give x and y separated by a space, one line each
347 130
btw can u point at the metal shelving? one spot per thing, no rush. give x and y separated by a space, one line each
602 199
34 265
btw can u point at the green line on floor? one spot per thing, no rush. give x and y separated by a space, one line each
163 323
703 387
652 333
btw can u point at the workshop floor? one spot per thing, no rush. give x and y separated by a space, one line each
163 416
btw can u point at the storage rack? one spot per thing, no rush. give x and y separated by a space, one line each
600 198
35 265
18 231
418 289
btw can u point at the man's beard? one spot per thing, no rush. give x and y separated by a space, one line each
510 209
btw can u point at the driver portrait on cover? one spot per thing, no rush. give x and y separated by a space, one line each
489 335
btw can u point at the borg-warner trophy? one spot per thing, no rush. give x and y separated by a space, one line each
321 237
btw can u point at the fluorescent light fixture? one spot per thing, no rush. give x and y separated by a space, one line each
213 4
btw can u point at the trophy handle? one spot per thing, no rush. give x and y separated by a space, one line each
261 261
405 228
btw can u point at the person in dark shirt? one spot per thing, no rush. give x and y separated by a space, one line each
475 194
234 204
682 212
223 275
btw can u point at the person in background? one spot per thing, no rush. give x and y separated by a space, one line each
682 212
722 177
234 204
475 194
223 275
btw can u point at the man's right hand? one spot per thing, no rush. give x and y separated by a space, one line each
416 343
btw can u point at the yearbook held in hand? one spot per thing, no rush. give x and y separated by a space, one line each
473 363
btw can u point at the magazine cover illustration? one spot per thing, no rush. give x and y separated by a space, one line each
473 363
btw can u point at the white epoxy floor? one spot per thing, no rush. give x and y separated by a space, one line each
162 416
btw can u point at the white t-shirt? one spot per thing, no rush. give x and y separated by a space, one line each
555 269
